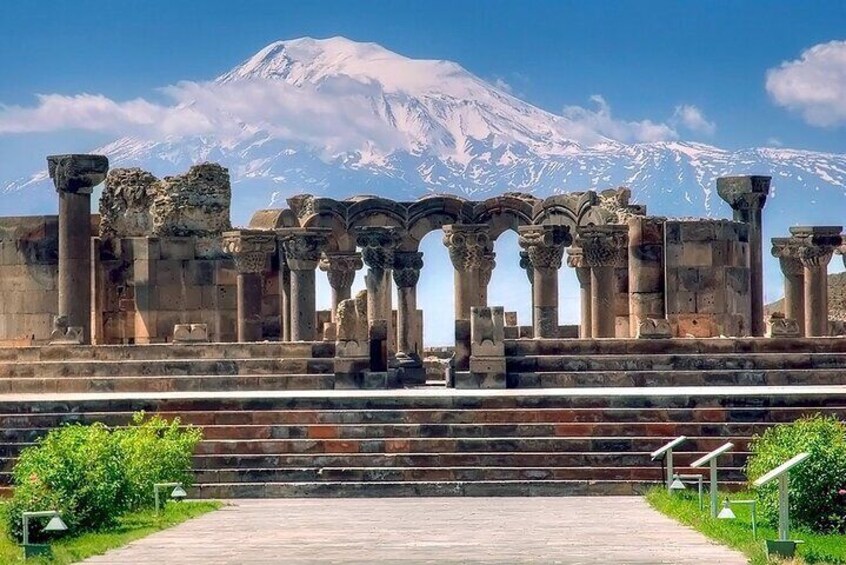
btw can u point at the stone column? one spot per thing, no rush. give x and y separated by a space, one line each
747 195
340 268
604 249
576 260
303 248
284 295
646 270
816 245
378 245
545 246
249 249
407 265
75 177
787 253
526 265
487 263
468 245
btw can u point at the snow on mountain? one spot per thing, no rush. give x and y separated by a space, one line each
358 118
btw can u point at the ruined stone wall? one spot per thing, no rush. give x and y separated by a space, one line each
707 277
29 273
144 286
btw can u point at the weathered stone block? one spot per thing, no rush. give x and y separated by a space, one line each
779 326
510 319
695 325
176 248
486 329
696 254
190 333
170 272
654 328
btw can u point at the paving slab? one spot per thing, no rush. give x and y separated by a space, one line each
574 530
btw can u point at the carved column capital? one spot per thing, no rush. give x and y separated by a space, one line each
603 246
744 193
786 250
526 265
77 174
576 260
249 249
487 263
816 244
407 265
303 246
340 267
545 245
378 245
468 244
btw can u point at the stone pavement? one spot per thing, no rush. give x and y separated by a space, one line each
569 530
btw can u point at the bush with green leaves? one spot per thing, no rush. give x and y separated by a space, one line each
817 485
93 474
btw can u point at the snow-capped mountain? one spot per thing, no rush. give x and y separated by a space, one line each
336 117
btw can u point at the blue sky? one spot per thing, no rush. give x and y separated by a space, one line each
643 58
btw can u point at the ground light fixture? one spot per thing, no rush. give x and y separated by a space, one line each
178 492
665 453
54 525
711 459
677 484
728 514
694 479
783 546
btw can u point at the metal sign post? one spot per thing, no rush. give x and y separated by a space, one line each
711 459
666 453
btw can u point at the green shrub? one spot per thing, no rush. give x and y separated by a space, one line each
817 501
155 451
92 474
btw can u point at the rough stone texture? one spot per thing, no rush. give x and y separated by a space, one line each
190 333
196 203
779 326
707 277
77 173
654 328
127 203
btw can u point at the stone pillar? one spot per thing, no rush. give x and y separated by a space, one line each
604 249
378 245
576 260
487 264
249 249
545 246
407 265
303 248
340 268
468 245
747 195
787 253
284 295
75 177
646 270
526 265
816 245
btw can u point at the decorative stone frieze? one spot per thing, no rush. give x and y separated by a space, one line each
249 249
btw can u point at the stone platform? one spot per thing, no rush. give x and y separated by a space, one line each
437 442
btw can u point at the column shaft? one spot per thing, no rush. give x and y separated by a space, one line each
816 300
407 330
249 307
285 299
545 299
464 293
303 311
75 260
585 325
756 291
602 302
794 299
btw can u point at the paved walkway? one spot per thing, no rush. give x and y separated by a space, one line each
569 530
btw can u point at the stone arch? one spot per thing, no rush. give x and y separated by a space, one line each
564 209
432 213
272 219
375 211
506 212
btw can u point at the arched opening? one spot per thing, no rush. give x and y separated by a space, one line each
509 286
436 293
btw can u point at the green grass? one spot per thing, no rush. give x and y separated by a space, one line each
684 507
131 527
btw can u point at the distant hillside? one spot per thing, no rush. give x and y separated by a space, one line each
836 298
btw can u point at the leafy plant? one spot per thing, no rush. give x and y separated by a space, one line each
818 485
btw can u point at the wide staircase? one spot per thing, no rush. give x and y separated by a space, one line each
607 404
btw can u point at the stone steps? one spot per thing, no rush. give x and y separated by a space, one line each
678 346
163 367
674 362
746 377
426 442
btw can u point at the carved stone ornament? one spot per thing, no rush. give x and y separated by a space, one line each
340 268
468 244
545 244
816 244
786 250
190 333
352 319
654 328
77 174
378 244
604 246
63 334
779 326
744 192
526 265
487 264
303 247
407 265
249 249
487 333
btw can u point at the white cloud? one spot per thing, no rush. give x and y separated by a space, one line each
503 85
336 117
692 118
814 84
601 123
774 142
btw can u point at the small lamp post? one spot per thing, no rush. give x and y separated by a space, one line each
711 459
665 453
178 492
54 525
698 480
782 546
727 514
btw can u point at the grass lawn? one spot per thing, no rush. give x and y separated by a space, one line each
684 507
133 526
